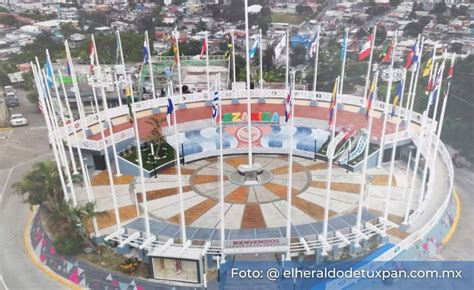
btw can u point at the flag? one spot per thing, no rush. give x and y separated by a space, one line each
169 110
68 69
366 49
203 48
288 103
450 71
343 47
412 57
91 56
429 86
215 107
228 49
128 95
436 85
386 54
396 99
48 68
428 67
175 52
117 51
146 59
255 45
314 44
332 105
372 93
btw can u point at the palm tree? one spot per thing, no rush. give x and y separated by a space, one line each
42 186
156 133
80 216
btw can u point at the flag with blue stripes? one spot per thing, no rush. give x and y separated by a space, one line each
169 110
48 67
215 106
256 44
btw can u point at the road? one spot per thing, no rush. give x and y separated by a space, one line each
19 149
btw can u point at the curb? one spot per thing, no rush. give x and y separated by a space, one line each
45 269
454 226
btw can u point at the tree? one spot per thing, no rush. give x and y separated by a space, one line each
67 29
201 26
395 3
298 55
412 29
439 8
268 56
156 133
42 186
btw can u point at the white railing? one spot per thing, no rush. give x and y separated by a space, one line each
202 96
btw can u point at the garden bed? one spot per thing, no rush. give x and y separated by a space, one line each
166 155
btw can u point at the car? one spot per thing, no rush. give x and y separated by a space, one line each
9 90
18 120
12 101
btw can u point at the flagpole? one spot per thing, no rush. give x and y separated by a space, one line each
261 62
107 158
221 173
233 56
140 162
207 66
178 57
431 132
316 60
42 87
433 57
387 101
344 60
122 59
287 71
407 175
441 120
364 166
249 105
150 66
69 141
394 150
418 65
413 73
290 170
62 151
330 164
369 68
178 167
82 118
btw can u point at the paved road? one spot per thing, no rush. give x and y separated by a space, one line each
19 148
461 245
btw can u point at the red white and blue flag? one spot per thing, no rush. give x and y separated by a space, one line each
413 55
436 85
288 103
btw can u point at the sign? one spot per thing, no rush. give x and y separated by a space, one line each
256 245
255 117
177 270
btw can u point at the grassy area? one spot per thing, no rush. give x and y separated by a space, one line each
166 155
290 18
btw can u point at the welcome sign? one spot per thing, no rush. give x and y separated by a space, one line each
236 117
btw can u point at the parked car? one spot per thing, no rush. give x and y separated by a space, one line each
18 120
11 101
9 90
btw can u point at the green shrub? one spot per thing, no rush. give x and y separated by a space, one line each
69 245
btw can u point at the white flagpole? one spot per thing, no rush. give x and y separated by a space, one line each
106 110
107 159
122 60
207 66
249 105
233 56
364 166
418 65
221 173
287 64
387 102
290 170
330 161
178 57
82 119
60 141
261 62
104 141
42 87
178 169
394 150
140 162
316 59
150 66
407 174
431 132
344 60
369 68
441 120
68 137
